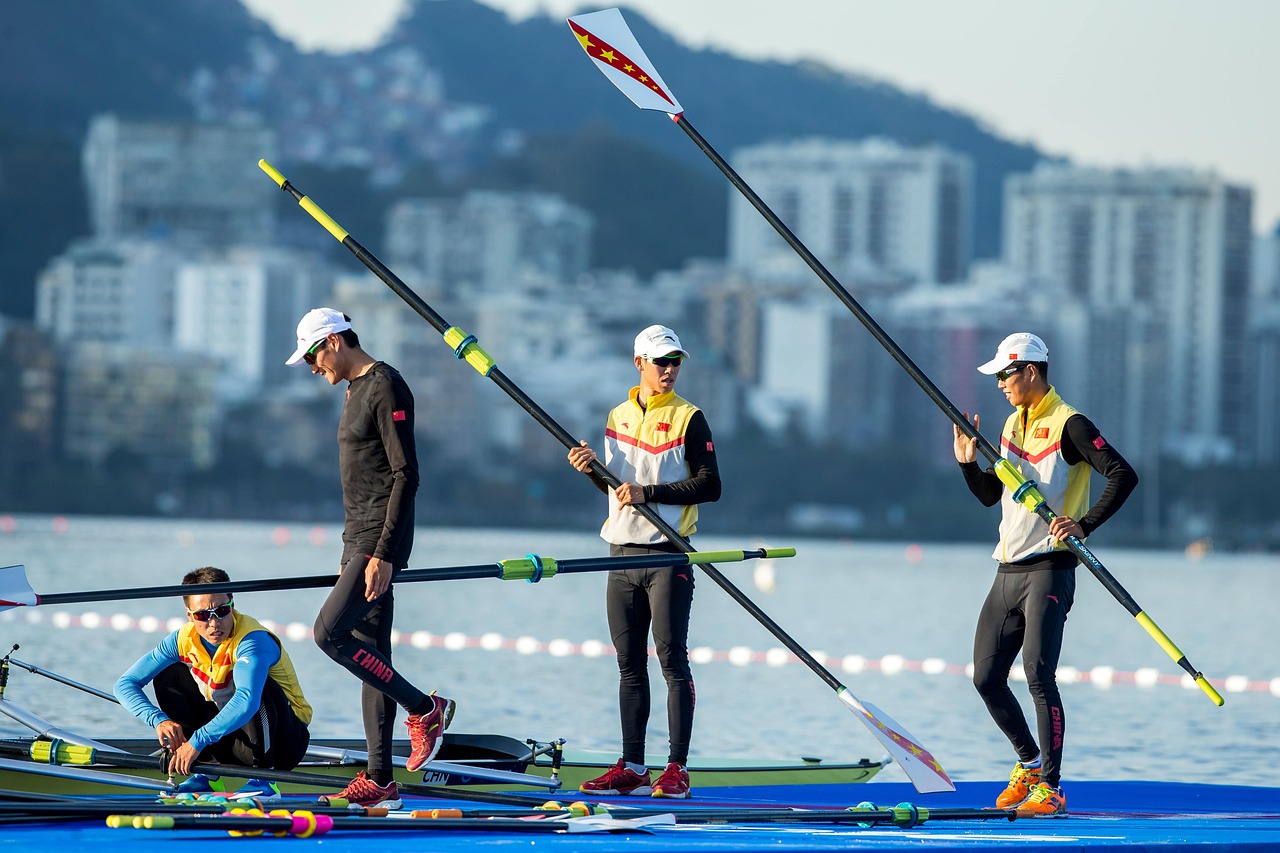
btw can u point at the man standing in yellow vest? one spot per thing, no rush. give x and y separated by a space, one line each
1026 610
660 446
226 691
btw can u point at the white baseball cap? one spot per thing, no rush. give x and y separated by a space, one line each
657 341
1020 346
316 324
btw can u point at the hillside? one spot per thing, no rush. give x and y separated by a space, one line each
61 61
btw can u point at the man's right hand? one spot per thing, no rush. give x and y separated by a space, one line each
170 735
581 457
966 448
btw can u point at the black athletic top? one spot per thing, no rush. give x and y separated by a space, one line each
1078 446
379 466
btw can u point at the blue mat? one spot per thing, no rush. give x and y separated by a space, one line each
1164 817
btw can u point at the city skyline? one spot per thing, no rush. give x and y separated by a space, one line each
1134 86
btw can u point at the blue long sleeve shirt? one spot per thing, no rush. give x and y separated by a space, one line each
258 653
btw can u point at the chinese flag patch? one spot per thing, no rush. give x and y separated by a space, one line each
663 427
1042 432
1099 442
398 415
711 447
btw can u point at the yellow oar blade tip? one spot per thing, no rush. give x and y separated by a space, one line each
1210 691
271 171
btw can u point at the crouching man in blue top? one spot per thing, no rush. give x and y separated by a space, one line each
226 690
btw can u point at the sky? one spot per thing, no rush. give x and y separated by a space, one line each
1110 83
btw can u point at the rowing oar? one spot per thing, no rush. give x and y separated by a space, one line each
921 767
607 39
305 823
15 591
43 755
901 815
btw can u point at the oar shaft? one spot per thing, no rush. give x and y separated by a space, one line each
504 569
955 415
466 347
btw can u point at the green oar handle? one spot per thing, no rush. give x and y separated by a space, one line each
534 568
1025 492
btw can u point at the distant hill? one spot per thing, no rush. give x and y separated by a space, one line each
61 61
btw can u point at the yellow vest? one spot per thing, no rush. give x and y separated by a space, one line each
646 446
212 674
1034 447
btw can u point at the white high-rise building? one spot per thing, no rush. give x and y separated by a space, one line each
1162 259
490 240
110 291
178 180
240 309
870 210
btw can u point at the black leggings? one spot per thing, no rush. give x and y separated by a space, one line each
661 599
274 737
1025 611
357 634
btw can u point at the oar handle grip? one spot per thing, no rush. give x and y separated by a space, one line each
702 557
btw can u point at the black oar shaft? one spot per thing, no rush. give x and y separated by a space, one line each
562 435
987 449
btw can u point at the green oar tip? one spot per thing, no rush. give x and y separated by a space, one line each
779 552
271 171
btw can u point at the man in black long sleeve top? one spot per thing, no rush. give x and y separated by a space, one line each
660 446
1026 610
378 463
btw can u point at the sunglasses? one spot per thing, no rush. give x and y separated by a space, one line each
667 360
1002 375
310 355
219 612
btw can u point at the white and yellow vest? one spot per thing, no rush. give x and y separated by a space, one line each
212 674
1035 449
647 446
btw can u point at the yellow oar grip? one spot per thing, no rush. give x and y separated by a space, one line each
1174 652
467 348
306 204
1208 690
42 751
1024 491
271 171
525 569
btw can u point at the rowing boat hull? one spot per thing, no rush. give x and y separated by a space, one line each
491 752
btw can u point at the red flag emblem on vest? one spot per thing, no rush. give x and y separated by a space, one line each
663 427
398 416
1099 442
711 447
1042 432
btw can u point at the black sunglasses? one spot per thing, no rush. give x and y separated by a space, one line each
1002 375
667 360
220 612
310 355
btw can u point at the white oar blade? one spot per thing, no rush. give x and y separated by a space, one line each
607 39
14 589
918 763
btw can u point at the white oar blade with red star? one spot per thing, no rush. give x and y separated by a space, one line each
924 771
15 591
607 39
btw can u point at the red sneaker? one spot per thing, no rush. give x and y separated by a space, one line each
363 791
673 783
618 781
426 732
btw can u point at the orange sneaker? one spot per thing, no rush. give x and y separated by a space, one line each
1045 801
673 783
1021 782
426 732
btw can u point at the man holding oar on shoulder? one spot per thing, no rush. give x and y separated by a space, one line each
1052 444
378 463
226 689
660 446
